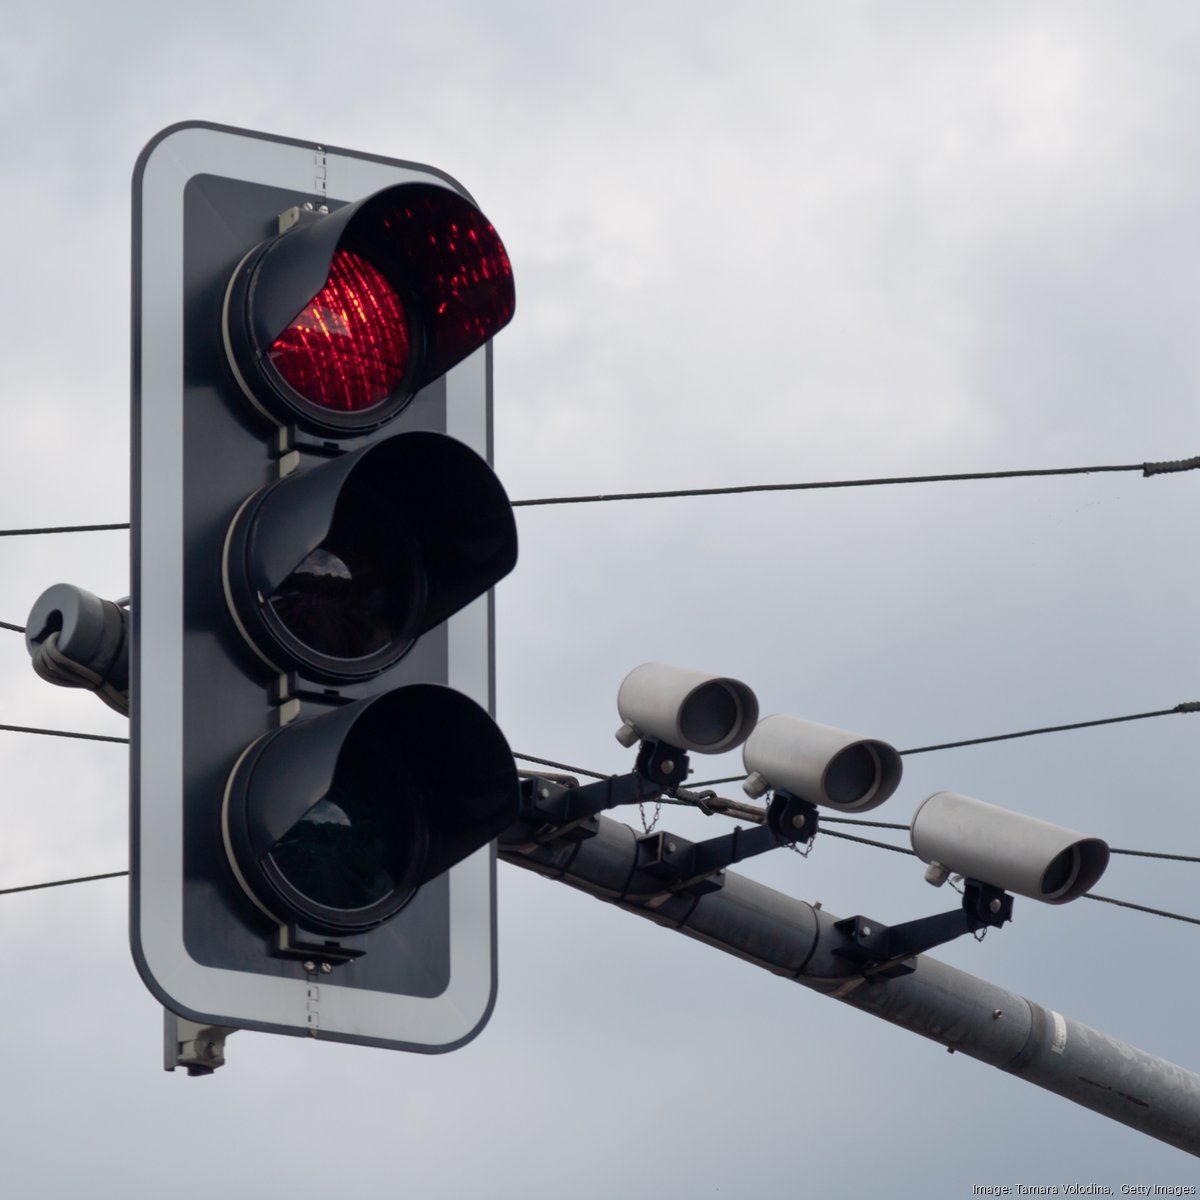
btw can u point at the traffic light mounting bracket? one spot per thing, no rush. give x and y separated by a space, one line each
568 811
887 948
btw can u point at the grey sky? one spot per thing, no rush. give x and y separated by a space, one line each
752 243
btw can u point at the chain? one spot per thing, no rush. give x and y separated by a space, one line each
794 847
648 827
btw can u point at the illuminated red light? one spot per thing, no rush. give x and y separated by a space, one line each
349 349
461 272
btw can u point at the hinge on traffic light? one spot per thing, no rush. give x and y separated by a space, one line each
299 442
295 942
301 214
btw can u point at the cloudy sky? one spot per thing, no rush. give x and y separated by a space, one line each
752 243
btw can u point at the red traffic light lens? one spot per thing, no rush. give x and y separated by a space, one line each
349 348
461 273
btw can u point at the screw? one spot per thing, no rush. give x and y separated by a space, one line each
211 1051
997 1013
671 847
798 821
668 765
994 906
327 968
865 931
544 793
309 965
308 207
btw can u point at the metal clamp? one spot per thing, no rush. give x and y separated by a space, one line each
868 942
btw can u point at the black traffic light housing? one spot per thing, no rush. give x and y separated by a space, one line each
316 529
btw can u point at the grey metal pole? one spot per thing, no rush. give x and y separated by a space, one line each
971 1016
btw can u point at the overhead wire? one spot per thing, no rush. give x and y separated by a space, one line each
66 733
1157 912
1188 706
53 883
1147 469
63 529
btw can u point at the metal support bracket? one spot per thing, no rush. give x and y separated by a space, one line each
199 1048
664 765
871 942
792 819
684 866
699 867
293 941
558 805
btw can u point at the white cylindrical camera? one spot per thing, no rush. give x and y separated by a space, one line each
820 764
1006 849
706 713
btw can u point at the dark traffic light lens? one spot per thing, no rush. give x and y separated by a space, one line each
349 851
347 605
349 348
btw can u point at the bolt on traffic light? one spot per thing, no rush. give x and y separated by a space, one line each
316 776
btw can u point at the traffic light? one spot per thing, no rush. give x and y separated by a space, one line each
315 777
